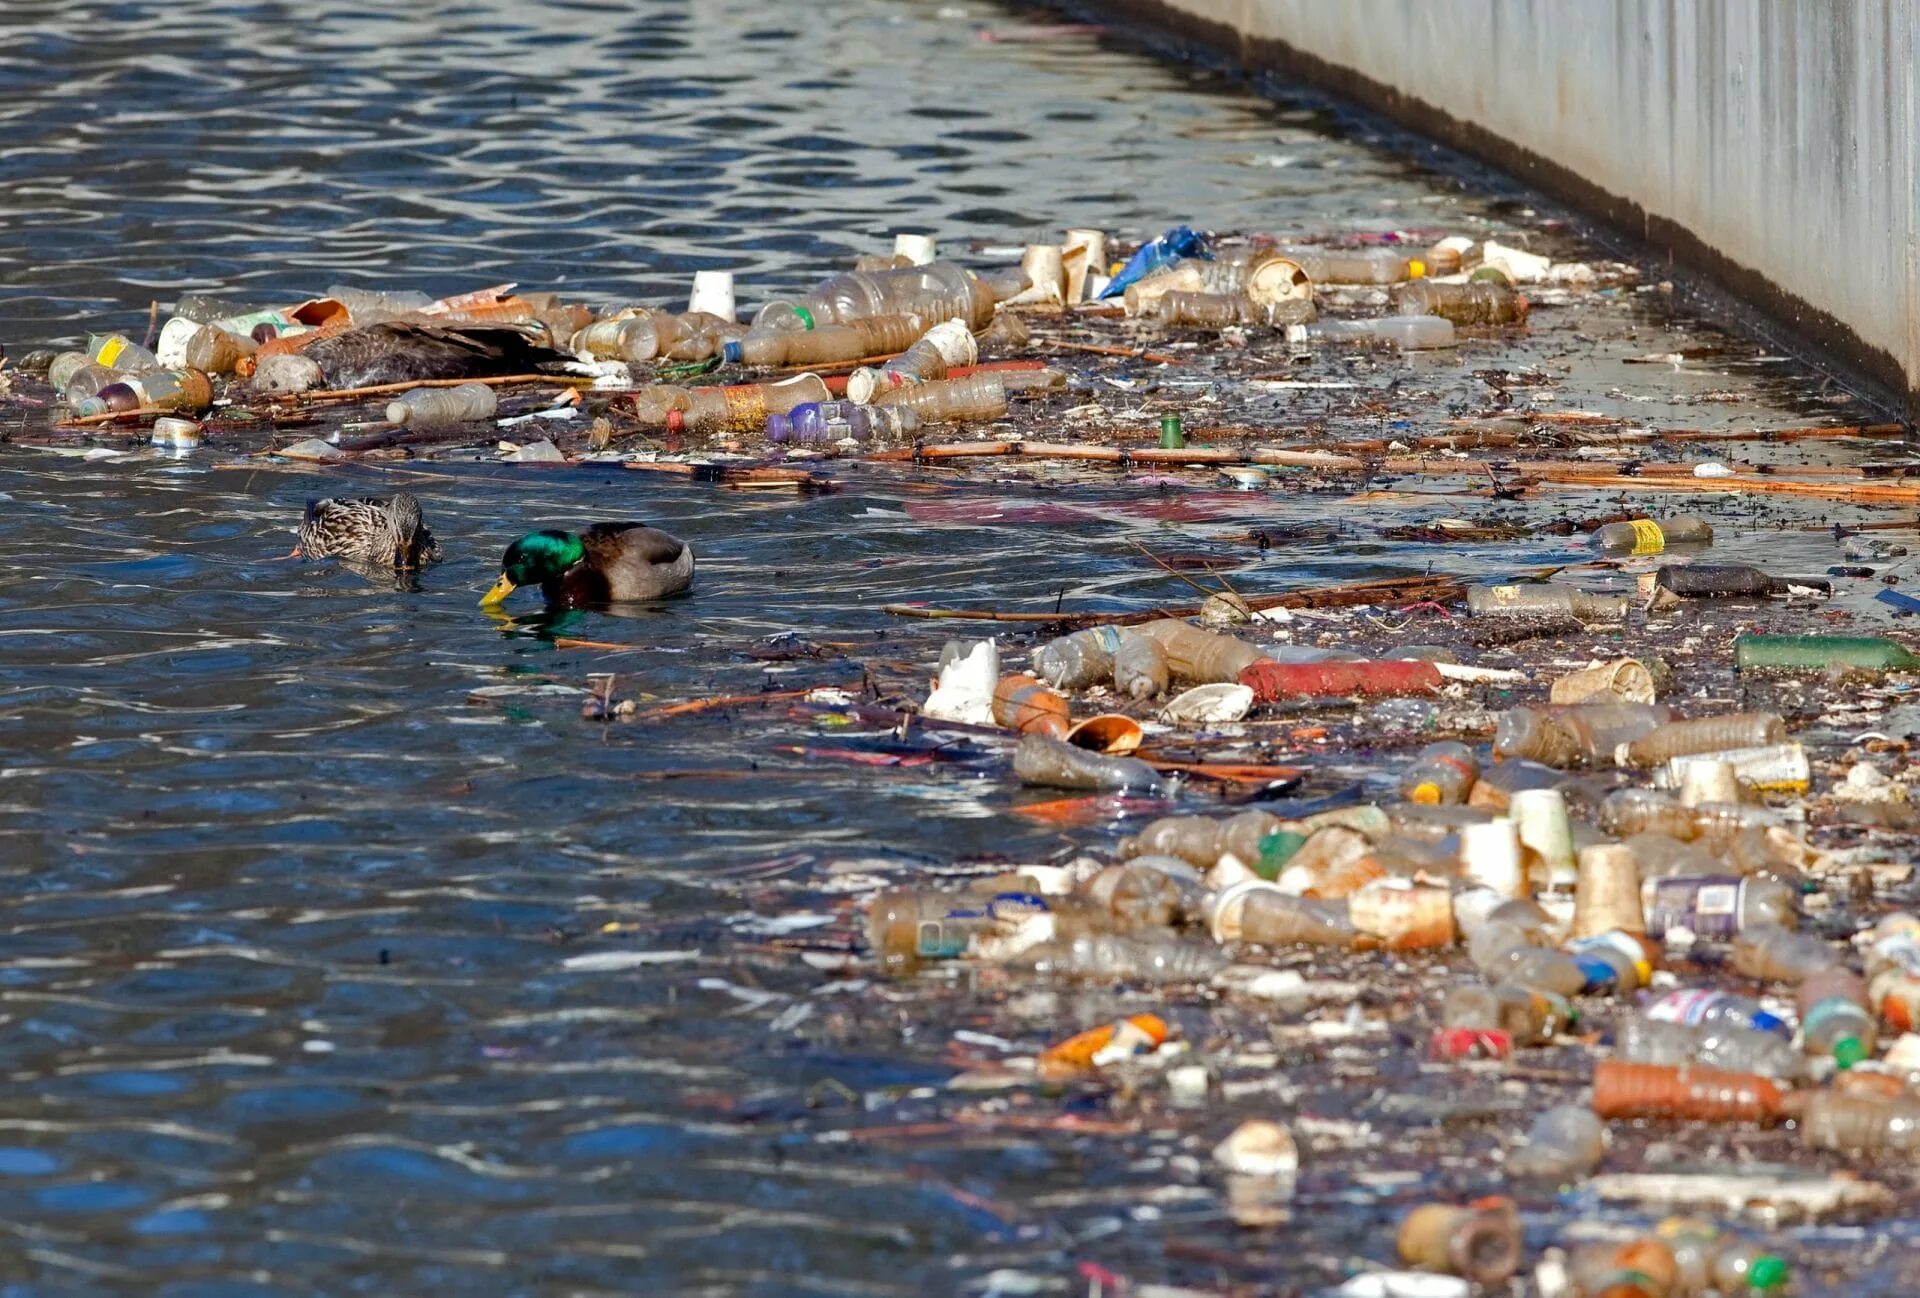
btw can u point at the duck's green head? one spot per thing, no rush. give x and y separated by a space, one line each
534 558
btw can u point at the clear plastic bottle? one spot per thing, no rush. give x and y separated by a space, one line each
182 390
1479 303
938 290
1356 265
62 368
1616 962
1643 1040
1582 734
1779 954
1270 917
1861 1124
835 421
1529 1016
1717 907
1074 662
979 396
86 380
1266 276
1835 1020
117 351
1147 892
433 407
830 344
946 346
1711 1259
1481 1243
1565 1144
1203 840
909 925
1043 760
1140 958
1706 735
1409 333
1705 1008
1441 774
1140 668
1539 600
1627 1090
1646 536
1507 954
1627 812
1200 657
1219 310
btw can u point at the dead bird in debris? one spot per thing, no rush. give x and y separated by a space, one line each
608 563
398 351
368 530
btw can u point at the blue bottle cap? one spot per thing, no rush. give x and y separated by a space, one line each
779 428
1765 1022
731 352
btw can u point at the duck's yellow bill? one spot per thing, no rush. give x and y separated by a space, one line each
501 589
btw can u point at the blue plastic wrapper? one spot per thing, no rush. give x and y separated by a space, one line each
1175 245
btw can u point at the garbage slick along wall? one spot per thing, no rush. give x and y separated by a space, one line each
1771 144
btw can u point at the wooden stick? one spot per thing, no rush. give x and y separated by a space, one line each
110 416
153 321
1101 349
383 389
731 701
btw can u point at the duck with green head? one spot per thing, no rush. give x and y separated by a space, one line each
609 563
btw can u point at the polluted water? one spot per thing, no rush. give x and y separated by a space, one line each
1273 720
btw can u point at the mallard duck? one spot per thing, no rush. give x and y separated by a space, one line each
607 564
400 351
388 533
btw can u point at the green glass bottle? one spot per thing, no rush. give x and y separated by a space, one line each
1813 653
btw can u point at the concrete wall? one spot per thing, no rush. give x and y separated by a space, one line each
1770 142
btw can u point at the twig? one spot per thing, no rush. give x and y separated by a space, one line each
731 701
153 321
1101 349
1169 567
383 389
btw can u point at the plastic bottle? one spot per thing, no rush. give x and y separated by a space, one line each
742 408
77 383
1772 768
183 390
1499 782
1409 333
1624 1090
1761 654
1624 680
433 407
638 339
1706 735
215 351
946 346
827 345
1642 1268
909 925
834 421
1645 536
1356 265
1441 774
1615 962
1218 310
117 351
1259 912
1023 704
1481 1243
1074 662
1733 1049
1141 958
1140 667
1052 763
1262 274
1860 1124
1573 736
1147 892
1506 954
1200 657
1565 1144
1464 304
1156 255
1627 812
1709 1258
1778 954
1725 581
1529 1016
1716 907
1703 1008
1539 600
938 290
979 396
1834 1017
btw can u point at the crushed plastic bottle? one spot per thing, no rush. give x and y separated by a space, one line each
1478 303
1079 660
1043 760
1156 255
1686 1093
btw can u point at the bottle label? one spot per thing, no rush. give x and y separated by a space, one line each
1709 905
111 350
1902 951
940 940
1647 536
1688 1007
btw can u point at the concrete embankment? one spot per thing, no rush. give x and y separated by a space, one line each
1772 146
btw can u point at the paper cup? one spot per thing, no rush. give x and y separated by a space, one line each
712 293
1540 816
916 248
1490 857
1607 893
1085 258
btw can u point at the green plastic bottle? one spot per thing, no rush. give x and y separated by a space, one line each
1812 653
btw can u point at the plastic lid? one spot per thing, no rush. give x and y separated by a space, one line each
1426 793
1848 1051
731 352
1765 1022
1767 1272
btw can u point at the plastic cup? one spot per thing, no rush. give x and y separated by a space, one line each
1490 857
1046 271
1540 816
1085 258
712 293
916 248
1707 779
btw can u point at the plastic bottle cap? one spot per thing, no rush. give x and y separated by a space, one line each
1426 793
1765 1022
731 353
1276 849
1767 1272
1848 1051
1416 269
